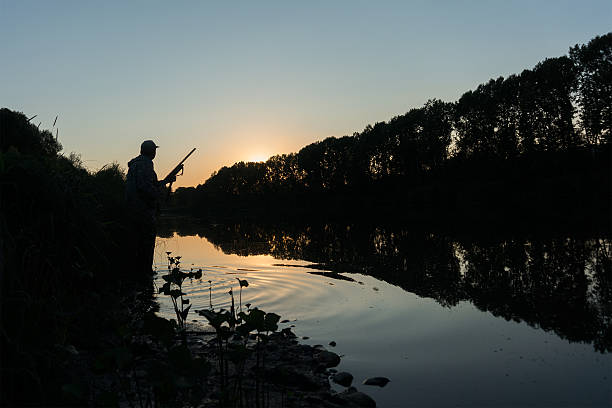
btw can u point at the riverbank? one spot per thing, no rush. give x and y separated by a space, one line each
294 375
147 363
154 365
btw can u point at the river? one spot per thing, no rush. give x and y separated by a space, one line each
513 321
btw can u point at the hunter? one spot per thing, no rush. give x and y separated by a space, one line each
143 194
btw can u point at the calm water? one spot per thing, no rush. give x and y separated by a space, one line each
516 322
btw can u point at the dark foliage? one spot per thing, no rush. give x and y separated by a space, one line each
17 132
595 87
64 247
507 138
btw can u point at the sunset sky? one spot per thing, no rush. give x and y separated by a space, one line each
247 80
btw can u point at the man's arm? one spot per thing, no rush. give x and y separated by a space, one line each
168 180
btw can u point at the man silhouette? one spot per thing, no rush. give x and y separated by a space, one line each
143 193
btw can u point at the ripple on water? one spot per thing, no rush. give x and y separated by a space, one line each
272 288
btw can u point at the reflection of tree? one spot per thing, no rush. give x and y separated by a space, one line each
599 267
558 284
543 283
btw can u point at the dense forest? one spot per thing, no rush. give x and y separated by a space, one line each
538 141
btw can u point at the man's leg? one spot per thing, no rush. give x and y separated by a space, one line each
150 248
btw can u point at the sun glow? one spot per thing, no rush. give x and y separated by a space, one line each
258 158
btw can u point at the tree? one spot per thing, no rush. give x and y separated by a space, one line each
594 65
476 117
546 110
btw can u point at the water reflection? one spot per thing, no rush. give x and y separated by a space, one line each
560 283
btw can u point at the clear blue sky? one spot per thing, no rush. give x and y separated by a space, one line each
245 80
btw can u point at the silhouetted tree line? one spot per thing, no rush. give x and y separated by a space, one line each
560 282
64 265
526 126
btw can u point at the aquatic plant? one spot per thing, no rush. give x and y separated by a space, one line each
238 328
210 294
174 287
232 321
243 283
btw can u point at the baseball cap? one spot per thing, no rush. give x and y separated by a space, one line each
148 145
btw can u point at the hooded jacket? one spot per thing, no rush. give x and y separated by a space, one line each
142 188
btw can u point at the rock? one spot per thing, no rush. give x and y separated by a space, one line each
358 398
304 348
305 338
327 358
286 332
379 381
291 378
332 343
334 398
343 378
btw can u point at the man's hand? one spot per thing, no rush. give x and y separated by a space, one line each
172 178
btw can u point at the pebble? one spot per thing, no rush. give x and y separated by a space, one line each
358 398
327 358
379 381
343 378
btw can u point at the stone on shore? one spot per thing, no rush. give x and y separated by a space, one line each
378 381
343 378
292 378
327 358
357 398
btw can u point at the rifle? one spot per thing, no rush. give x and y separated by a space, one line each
179 167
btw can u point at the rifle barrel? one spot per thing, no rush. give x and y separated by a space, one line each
186 157
176 169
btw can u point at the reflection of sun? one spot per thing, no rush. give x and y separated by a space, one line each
258 158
